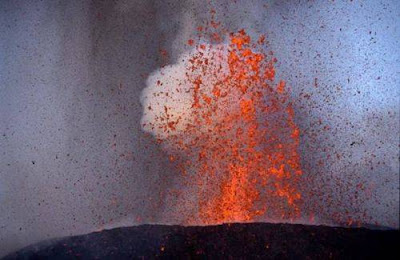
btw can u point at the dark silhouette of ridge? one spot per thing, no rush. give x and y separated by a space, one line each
250 240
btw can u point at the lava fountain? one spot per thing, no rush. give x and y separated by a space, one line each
228 125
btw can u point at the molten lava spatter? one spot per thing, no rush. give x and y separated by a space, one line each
235 141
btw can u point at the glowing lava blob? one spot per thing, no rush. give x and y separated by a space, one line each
228 126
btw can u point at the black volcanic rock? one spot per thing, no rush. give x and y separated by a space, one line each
256 240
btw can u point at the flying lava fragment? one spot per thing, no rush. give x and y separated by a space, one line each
228 126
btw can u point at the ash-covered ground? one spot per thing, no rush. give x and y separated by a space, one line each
255 240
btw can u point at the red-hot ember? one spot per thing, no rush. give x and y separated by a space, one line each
236 142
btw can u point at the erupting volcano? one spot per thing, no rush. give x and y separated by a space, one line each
228 126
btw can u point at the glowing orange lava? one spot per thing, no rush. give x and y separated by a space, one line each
238 152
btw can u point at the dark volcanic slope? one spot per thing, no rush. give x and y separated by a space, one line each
255 240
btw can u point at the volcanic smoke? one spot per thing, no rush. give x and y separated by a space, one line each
228 126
